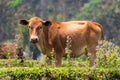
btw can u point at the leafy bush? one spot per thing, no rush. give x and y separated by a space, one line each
107 67
108 55
63 73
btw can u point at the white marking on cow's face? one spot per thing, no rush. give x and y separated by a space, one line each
35 28
34 39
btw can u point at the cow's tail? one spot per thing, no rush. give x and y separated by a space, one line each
102 33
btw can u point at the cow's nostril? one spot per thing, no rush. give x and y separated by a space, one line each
34 40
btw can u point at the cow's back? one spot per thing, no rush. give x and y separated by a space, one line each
81 33
77 33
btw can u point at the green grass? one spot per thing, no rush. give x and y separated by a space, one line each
108 56
107 67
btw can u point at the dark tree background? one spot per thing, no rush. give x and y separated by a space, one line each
106 12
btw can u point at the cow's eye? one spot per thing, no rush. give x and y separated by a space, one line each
40 27
30 27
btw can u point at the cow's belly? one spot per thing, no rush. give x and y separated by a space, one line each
78 52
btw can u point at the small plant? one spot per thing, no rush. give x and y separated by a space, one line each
9 58
52 57
44 61
108 55
19 40
68 51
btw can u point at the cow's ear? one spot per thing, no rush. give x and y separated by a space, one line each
47 23
24 22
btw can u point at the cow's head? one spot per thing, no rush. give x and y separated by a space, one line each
36 26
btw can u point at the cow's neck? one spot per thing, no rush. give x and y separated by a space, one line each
44 41
45 35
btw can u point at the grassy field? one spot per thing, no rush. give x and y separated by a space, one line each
107 67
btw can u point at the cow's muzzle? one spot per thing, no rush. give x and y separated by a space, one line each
34 39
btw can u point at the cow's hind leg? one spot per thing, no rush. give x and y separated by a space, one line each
91 54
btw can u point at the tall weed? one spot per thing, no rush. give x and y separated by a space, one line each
108 55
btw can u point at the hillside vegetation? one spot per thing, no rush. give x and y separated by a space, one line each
106 12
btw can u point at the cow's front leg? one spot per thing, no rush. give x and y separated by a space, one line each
59 50
58 59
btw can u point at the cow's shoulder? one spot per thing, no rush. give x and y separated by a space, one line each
53 31
54 24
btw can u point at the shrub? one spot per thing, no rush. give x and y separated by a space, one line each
108 55
107 68
63 73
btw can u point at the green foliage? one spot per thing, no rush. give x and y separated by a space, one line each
91 10
65 73
108 55
23 31
106 12
15 3
107 67
67 50
52 57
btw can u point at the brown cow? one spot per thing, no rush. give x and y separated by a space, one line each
48 34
